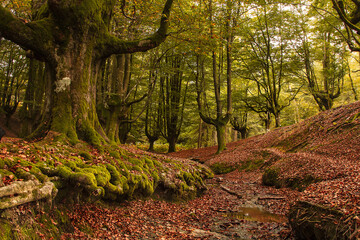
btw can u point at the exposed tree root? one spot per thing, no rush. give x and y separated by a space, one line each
20 192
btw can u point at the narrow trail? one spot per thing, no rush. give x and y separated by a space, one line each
236 206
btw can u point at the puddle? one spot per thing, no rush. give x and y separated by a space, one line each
256 214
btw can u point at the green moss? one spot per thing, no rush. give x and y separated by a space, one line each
87 133
5 172
38 174
155 176
136 161
113 192
123 169
222 168
124 183
251 165
205 172
71 165
301 183
6 230
149 163
189 179
137 168
2 163
114 154
85 179
271 177
147 172
102 176
86 156
157 163
184 188
133 184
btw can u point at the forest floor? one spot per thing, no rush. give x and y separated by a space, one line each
316 161
236 206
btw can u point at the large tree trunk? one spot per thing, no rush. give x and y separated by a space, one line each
73 38
73 110
277 120
172 104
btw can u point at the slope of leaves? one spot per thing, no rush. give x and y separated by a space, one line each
319 155
324 147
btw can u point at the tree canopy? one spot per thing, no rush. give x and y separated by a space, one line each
105 71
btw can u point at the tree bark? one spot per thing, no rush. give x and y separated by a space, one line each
221 137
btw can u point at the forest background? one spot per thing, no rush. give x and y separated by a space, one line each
227 70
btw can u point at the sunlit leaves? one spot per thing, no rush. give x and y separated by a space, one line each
21 8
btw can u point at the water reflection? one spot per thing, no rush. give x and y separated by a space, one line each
256 214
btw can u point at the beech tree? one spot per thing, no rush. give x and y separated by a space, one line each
220 119
73 38
268 60
172 99
325 85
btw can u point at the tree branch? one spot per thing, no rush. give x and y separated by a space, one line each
338 6
114 45
33 36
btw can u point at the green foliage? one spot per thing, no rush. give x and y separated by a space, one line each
6 230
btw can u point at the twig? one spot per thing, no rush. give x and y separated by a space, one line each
270 197
356 232
230 191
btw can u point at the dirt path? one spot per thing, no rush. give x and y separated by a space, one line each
236 206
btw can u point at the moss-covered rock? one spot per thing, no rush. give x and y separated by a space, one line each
222 168
316 222
271 177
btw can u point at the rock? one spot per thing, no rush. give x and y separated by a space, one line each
315 222
19 193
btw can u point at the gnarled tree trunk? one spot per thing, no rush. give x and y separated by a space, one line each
73 38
